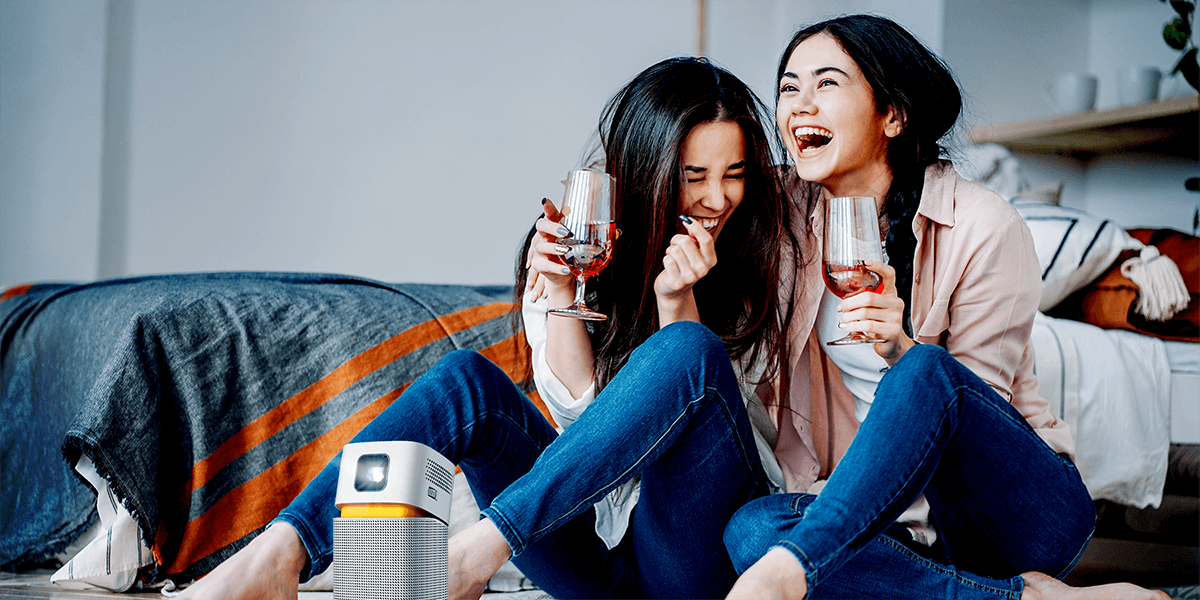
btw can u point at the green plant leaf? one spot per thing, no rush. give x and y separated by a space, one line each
1183 7
1176 34
1187 65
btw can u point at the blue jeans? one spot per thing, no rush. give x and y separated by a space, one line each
673 415
1002 501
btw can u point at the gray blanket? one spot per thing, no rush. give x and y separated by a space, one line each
207 401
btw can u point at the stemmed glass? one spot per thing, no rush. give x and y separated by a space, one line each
851 237
587 213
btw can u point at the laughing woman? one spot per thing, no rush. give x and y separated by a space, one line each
959 482
665 428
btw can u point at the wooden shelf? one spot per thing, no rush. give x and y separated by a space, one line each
1167 126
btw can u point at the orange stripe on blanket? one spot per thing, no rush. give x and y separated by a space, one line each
16 290
349 373
254 503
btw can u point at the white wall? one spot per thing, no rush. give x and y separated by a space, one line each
411 141
51 103
1004 66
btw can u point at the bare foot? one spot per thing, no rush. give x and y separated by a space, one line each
475 554
777 575
1045 587
267 568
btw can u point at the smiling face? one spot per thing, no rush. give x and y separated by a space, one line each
829 123
713 159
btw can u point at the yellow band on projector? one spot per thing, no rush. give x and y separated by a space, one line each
370 511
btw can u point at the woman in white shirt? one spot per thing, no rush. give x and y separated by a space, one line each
665 428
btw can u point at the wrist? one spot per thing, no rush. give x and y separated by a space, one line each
680 307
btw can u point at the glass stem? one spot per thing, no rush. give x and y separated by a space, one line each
579 279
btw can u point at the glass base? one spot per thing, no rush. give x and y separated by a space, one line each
579 312
856 338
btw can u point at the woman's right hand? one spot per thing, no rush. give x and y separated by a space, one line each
688 259
548 274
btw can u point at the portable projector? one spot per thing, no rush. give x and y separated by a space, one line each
390 542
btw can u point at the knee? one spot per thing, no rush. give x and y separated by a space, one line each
460 360
689 335
463 366
917 369
761 524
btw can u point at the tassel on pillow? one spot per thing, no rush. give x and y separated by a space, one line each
1161 291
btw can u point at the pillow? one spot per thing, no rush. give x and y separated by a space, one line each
1110 301
1074 248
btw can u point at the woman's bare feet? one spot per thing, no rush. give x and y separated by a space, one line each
475 554
1045 587
777 575
267 568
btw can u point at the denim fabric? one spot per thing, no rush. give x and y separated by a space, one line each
150 375
673 416
1002 501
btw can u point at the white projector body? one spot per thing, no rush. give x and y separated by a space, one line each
390 542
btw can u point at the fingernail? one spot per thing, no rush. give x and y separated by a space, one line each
562 249
564 232
545 200
566 271
685 219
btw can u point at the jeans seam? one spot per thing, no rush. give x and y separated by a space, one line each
731 421
1011 594
506 529
1075 560
810 569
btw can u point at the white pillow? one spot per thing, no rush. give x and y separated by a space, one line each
1074 248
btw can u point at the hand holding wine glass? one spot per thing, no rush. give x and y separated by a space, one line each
851 237
587 215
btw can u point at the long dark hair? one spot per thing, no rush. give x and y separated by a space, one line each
642 130
904 75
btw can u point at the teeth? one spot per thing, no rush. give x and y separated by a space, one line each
708 223
811 138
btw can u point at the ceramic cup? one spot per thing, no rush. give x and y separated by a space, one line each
1137 85
1071 92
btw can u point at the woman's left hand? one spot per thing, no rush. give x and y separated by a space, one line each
878 313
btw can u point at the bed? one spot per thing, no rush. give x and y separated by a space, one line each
179 413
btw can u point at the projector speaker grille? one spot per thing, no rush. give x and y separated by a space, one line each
390 559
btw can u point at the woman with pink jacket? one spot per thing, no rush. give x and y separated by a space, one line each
959 481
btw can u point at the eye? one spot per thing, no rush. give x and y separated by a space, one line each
787 87
826 82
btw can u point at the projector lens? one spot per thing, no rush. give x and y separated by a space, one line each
371 473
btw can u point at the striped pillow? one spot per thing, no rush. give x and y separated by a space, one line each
1073 247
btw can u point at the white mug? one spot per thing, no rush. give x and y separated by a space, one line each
1138 85
1071 92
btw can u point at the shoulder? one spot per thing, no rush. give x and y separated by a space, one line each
969 207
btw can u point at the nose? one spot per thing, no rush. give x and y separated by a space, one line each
714 195
800 103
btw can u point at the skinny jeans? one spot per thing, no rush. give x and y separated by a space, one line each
1001 500
672 416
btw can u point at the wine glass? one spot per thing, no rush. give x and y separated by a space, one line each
851 237
587 213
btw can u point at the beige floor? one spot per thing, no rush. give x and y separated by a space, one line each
37 586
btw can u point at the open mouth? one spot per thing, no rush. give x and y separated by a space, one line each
809 139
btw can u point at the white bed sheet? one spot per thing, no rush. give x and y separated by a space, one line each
1184 360
1114 389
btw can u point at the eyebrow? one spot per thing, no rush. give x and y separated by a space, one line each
695 169
815 72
